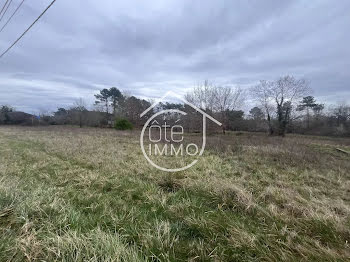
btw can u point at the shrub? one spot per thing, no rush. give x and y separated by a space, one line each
123 124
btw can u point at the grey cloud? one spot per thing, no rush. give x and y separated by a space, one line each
149 47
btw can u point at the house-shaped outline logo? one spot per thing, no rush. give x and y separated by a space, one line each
204 114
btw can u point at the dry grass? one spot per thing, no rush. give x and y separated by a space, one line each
69 194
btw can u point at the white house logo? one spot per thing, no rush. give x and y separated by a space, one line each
163 140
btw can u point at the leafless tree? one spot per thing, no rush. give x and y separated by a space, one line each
285 92
79 110
262 93
281 96
226 99
216 99
341 113
202 96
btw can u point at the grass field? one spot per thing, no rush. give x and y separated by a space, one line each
70 194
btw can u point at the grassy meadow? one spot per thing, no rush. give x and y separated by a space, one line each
70 194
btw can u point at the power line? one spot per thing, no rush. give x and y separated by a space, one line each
5 10
8 20
2 9
36 20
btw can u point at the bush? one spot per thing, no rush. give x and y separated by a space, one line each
123 124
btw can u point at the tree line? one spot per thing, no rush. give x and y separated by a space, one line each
281 106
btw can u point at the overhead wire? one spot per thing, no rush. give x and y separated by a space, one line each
8 20
5 10
2 9
19 38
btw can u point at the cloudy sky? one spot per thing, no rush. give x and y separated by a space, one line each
146 48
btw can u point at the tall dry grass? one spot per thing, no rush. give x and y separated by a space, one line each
70 194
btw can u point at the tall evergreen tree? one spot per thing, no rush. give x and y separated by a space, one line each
103 98
307 104
115 96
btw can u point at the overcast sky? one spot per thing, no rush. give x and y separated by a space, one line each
146 48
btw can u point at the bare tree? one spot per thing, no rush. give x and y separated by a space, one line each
262 93
216 99
79 111
285 92
202 96
341 113
226 99
280 96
